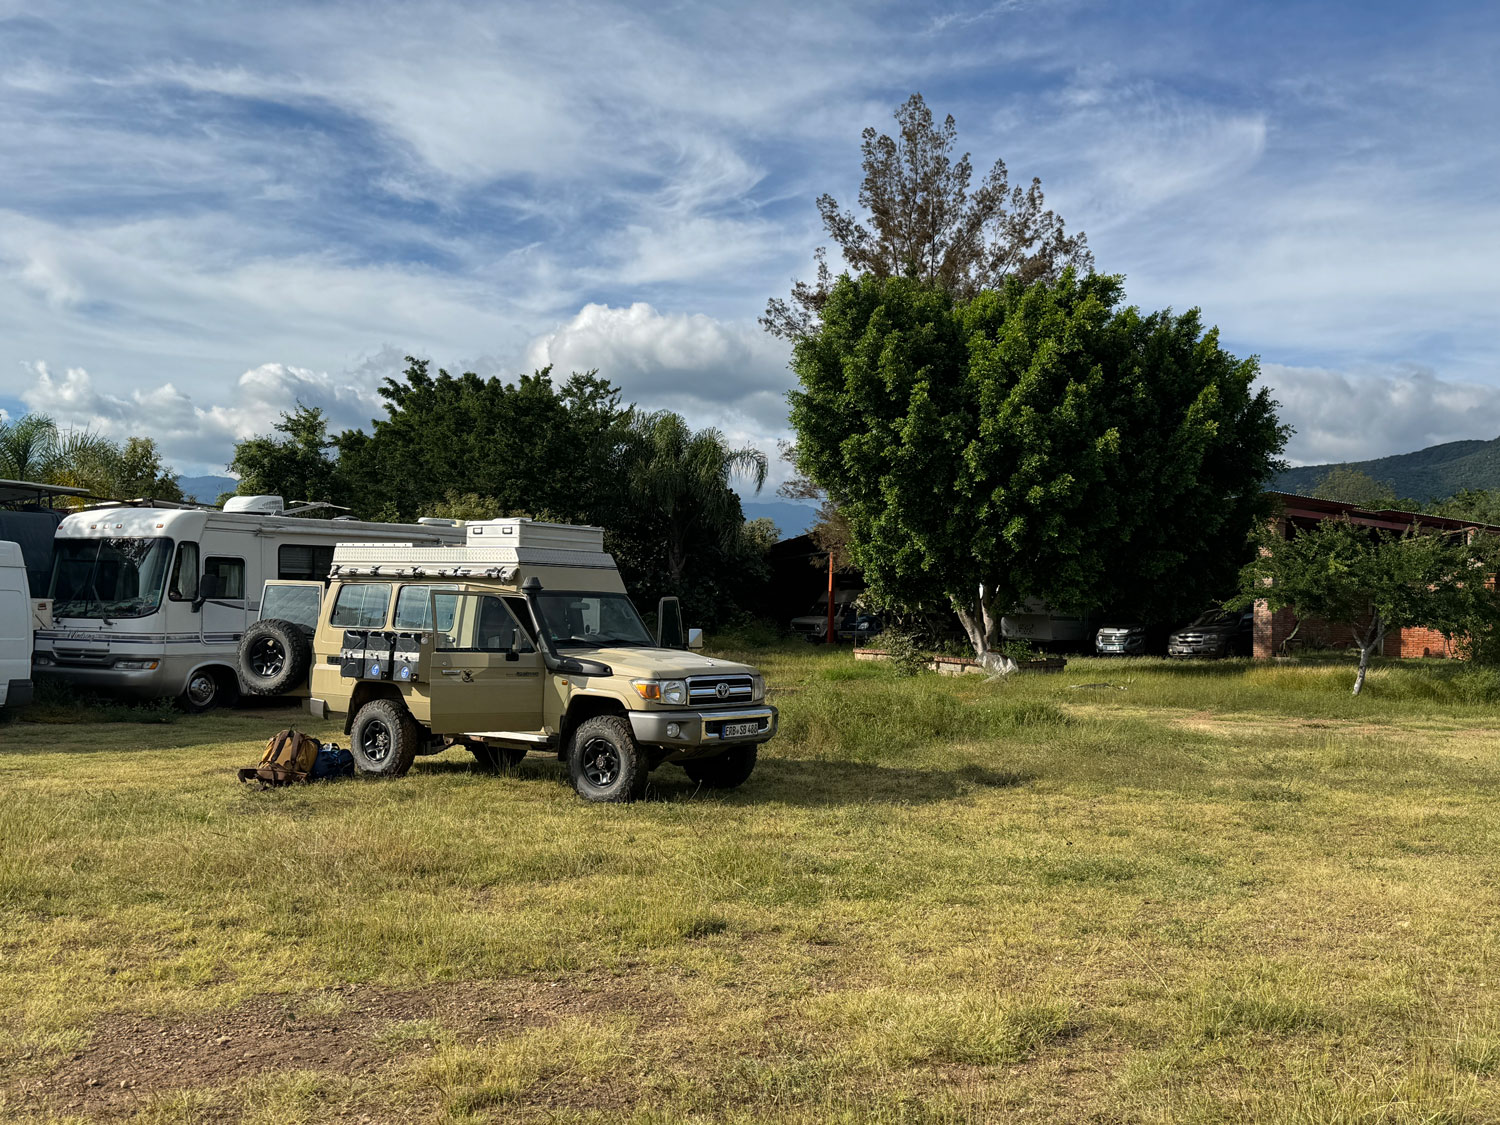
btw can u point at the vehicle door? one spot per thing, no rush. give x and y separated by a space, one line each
223 608
484 673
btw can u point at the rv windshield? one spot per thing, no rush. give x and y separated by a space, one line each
574 620
108 577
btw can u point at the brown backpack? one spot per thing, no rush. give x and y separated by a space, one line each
289 758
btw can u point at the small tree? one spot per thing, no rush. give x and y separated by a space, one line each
1350 486
1371 582
297 466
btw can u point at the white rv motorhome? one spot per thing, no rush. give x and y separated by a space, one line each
152 601
15 629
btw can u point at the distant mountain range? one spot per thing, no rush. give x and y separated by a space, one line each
790 519
206 490
1428 474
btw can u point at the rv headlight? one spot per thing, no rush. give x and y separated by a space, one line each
757 688
40 658
136 665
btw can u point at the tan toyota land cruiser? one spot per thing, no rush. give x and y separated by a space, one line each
521 640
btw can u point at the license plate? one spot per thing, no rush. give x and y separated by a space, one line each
739 730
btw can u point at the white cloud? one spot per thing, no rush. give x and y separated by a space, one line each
1341 416
198 435
666 360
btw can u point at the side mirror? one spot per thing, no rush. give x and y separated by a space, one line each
669 631
695 638
208 587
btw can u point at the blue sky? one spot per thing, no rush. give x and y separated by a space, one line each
209 212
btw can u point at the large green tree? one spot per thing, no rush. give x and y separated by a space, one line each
1037 441
1371 582
529 445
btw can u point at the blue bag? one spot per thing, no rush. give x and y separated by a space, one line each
331 762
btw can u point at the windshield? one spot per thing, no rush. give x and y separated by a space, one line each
108 578
592 620
1217 617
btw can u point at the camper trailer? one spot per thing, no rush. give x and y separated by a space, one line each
151 602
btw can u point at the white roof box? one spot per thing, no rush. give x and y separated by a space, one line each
531 533
259 505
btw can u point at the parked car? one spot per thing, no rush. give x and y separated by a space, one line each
1127 639
522 639
1215 632
15 629
849 624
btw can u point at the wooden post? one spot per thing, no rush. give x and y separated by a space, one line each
830 597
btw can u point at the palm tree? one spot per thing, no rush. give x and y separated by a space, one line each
33 448
684 476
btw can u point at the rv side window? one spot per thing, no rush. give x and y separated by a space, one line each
298 563
224 578
414 609
184 587
361 605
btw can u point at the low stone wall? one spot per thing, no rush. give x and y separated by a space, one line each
962 665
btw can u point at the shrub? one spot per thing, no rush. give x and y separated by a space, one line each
907 657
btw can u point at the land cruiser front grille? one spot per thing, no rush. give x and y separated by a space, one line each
705 691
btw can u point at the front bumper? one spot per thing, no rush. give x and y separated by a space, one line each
1202 648
697 729
166 679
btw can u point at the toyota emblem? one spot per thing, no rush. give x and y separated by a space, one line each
722 690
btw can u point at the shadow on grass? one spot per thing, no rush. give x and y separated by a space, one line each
782 781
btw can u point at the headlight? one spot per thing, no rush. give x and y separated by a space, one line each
137 665
664 691
757 688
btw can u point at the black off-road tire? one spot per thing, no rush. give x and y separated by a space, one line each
604 761
728 770
384 739
495 759
208 688
274 657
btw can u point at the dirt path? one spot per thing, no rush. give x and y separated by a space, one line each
345 1031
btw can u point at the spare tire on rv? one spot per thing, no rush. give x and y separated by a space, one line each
274 657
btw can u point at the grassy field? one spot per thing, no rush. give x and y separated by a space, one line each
1134 892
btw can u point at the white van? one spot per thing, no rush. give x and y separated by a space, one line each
15 628
152 601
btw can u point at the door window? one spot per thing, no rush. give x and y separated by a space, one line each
224 578
479 623
361 605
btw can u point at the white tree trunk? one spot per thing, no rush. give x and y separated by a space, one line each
1368 644
982 625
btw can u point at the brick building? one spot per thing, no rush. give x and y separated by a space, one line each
1273 629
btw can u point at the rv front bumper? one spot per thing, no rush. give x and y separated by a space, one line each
153 679
693 730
